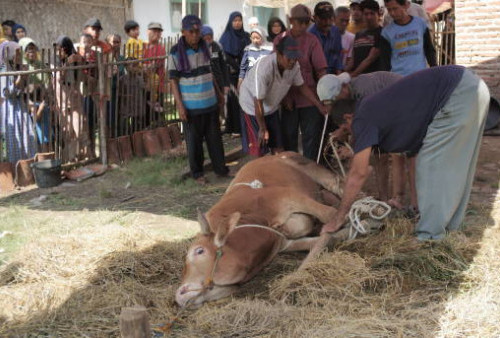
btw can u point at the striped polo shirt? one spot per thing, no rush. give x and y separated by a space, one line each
196 85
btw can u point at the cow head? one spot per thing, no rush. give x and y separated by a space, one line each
206 277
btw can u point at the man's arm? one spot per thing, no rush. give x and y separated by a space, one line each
355 180
372 57
259 116
174 84
304 90
429 50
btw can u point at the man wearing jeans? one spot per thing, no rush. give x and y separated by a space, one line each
437 113
196 98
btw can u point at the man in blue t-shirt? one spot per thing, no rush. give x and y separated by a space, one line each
406 42
437 113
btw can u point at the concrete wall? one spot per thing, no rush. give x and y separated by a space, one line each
45 20
478 39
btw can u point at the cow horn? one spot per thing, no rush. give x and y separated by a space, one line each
202 220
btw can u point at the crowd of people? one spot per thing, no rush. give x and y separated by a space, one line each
33 106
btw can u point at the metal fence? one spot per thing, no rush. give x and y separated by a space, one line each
76 108
443 29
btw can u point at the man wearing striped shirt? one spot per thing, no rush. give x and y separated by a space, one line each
197 98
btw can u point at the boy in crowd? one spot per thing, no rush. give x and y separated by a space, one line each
93 27
367 44
7 29
406 46
328 35
197 101
342 15
134 45
357 23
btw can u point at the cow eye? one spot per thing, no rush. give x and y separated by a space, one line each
199 251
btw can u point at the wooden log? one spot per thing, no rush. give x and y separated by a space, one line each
134 322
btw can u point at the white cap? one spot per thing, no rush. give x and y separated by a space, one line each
329 86
253 20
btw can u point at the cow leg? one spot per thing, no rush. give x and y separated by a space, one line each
317 173
301 244
300 204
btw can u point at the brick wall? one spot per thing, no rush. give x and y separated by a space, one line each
478 39
45 20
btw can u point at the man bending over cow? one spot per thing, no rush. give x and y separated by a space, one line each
437 113
262 91
343 94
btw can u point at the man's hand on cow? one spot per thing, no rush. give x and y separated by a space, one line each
263 136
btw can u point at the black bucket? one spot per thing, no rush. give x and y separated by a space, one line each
47 173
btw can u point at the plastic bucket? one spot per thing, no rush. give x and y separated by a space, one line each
47 173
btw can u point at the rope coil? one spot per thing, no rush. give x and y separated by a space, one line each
377 210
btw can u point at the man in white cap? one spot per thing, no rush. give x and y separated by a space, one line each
342 94
437 113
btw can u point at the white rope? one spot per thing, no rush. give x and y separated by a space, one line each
258 226
286 242
367 205
255 184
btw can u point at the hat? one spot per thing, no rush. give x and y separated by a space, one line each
289 47
155 25
93 22
258 31
323 10
190 21
329 86
253 20
355 3
206 30
130 24
300 12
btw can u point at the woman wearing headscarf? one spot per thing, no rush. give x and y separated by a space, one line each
16 125
274 28
233 41
69 102
36 87
18 32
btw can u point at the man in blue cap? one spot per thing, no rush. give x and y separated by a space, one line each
197 98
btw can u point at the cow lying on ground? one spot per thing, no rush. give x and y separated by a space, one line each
269 207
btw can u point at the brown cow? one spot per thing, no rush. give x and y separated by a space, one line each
285 200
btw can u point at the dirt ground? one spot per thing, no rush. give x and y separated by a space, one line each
67 244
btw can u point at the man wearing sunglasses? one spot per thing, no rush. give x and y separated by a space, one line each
299 111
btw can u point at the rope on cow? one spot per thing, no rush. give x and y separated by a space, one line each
255 184
335 145
377 210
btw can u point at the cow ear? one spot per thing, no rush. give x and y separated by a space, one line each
223 232
202 220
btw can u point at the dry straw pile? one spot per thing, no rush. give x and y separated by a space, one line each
385 285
